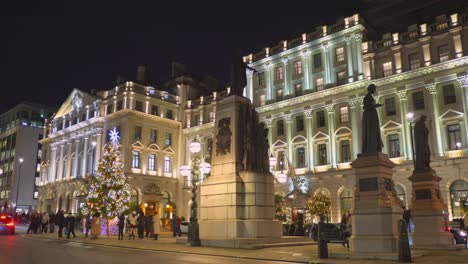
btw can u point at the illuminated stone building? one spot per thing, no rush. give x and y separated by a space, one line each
309 91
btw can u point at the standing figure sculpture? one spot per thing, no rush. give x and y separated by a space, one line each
422 151
371 138
238 78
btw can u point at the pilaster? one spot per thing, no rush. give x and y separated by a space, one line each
350 61
405 135
355 105
287 78
288 121
53 164
249 88
331 132
269 81
307 69
309 126
77 158
463 81
358 53
327 65
431 88
85 155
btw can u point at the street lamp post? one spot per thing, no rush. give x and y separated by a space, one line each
194 231
410 118
17 185
94 156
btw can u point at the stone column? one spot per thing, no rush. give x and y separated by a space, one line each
356 125
287 78
358 55
249 88
269 125
69 160
349 62
307 69
269 78
331 133
463 81
77 158
405 133
85 155
60 169
326 65
53 155
310 133
288 121
97 154
431 87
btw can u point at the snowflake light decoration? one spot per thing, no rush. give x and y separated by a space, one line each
114 136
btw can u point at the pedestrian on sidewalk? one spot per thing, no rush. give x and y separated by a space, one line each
96 226
52 223
87 224
121 225
179 223
70 223
45 222
60 222
149 225
141 224
133 225
156 225
174 225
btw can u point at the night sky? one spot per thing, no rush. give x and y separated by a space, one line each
46 51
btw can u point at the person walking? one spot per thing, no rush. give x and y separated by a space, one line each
156 225
141 224
87 225
60 222
70 224
52 223
45 222
174 225
121 225
95 226
133 225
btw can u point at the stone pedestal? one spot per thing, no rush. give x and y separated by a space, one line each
377 210
235 204
429 212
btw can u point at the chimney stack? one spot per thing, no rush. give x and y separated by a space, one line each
141 69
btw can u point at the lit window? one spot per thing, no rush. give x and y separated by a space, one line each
345 151
444 53
279 94
454 136
387 69
319 84
344 117
340 78
279 73
298 89
298 67
414 61
152 162
390 106
394 146
211 116
261 100
449 94
136 159
167 164
339 54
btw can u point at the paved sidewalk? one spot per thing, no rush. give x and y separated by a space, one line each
299 254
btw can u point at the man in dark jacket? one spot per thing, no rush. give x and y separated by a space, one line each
70 224
52 223
141 224
60 221
87 225
121 225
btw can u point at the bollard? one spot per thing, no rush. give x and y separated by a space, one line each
322 242
404 251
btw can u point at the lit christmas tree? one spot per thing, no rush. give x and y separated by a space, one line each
109 193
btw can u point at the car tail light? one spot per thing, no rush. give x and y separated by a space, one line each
2 217
447 228
11 224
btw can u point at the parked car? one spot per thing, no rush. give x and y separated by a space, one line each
184 227
332 232
7 225
459 236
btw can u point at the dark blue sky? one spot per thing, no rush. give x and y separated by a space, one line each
46 51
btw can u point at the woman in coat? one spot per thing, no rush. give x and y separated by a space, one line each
156 225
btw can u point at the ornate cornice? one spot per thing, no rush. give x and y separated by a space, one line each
330 108
287 118
431 88
355 101
463 80
308 113
268 122
198 128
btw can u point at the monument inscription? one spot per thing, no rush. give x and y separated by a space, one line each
368 184
423 194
